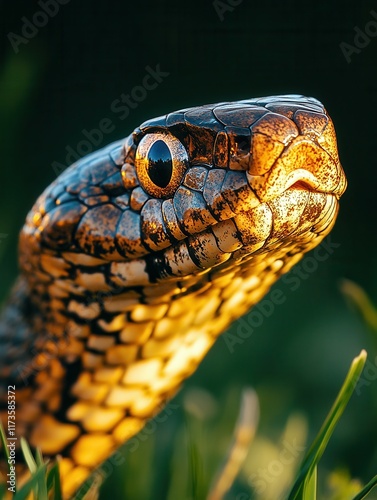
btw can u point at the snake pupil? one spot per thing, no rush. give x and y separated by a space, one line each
160 165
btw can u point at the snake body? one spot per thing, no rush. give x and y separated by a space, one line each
138 256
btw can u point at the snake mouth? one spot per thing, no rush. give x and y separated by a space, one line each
314 187
302 185
275 183
308 183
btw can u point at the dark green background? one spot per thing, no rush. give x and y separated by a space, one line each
65 79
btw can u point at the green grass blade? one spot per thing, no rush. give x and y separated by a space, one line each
29 459
367 488
318 447
42 484
31 485
39 457
194 429
310 486
195 464
53 482
360 300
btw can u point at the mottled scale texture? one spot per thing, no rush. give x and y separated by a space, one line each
125 286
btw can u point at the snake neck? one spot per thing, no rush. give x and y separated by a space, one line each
68 336
99 365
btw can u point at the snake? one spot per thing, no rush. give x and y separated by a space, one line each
138 256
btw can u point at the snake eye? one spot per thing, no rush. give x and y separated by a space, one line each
161 160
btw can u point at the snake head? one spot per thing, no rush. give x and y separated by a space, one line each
195 189
277 141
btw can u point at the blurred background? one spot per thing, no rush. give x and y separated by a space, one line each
64 71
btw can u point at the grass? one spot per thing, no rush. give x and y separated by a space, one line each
44 480
44 483
305 486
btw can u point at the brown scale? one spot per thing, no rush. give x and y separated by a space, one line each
139 256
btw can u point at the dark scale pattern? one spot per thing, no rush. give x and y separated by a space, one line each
128 278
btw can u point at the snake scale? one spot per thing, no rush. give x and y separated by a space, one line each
140 255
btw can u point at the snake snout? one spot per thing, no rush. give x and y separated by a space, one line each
306 163
294 145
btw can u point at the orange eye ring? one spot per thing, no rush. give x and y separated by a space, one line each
161 161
